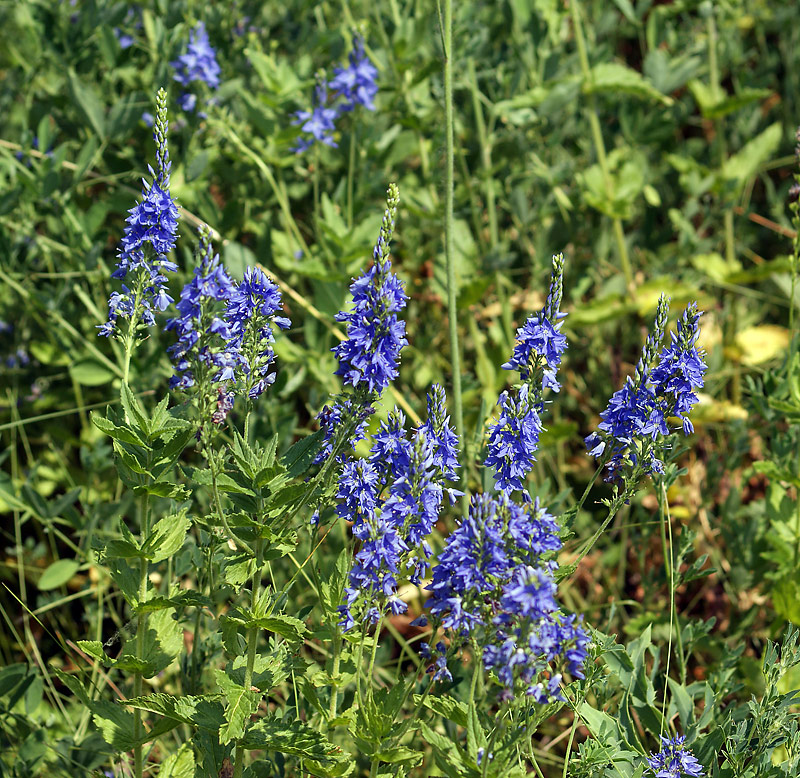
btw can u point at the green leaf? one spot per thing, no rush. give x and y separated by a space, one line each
746 163
178 765
446 707
600 725
715 105
399 754
122 434
167 537
241 705
90 372
294 739
614 77
57 574
133 410
205 711
88 104
298 458
287 626
116 724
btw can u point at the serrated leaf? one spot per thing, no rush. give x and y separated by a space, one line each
446 707
240 705
298 458
133 410
614 77
113 431
178 765
287 626
203 711
116 724
57 574
167 537
295 739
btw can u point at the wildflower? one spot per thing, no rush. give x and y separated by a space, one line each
249 316
201 333
494 585
187 102
332 417
393 529
673 760
514 437
199 63
356 83
375 336
123 38
318 122
514 440
150 234
441 435
635 421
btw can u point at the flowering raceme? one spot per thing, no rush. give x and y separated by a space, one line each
393 500
634 425
357 82
494 586
199 62
318 123
369 356
514 436
151 230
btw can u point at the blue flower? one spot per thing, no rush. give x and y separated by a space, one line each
494 585
357 82
375 336
318 123
514 440
332 417
250 316
634 424
673 760
199 63
151 230
441 435
202 334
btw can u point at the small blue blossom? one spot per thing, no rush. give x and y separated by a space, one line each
375 336
187 102
318 123
673 760
441 435
357 82
199 63
332 417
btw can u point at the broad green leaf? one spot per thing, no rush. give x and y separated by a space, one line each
113 431
88 103
205 712
299 457
133 409
287 626
178 765
241 705
57 574
600 725
715 105
614 77
747 162
167 537
295 739
399 754
116 724
447 707
91 372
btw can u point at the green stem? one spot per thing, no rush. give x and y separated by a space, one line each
612 512
337 650
665 527
252 643
351 166
572 730
141 626
599 145
452 309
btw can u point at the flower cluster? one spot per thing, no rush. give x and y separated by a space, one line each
673 760
197 64
370 354
201 329
514 436
634 424
393 500
150 233
494 586
251 312
356 84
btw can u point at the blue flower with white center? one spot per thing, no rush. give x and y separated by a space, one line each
674 760
202 333
151 231
199 62
250 315
318 123
357 82
370 355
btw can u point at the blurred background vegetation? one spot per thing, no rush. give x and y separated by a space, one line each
651 142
